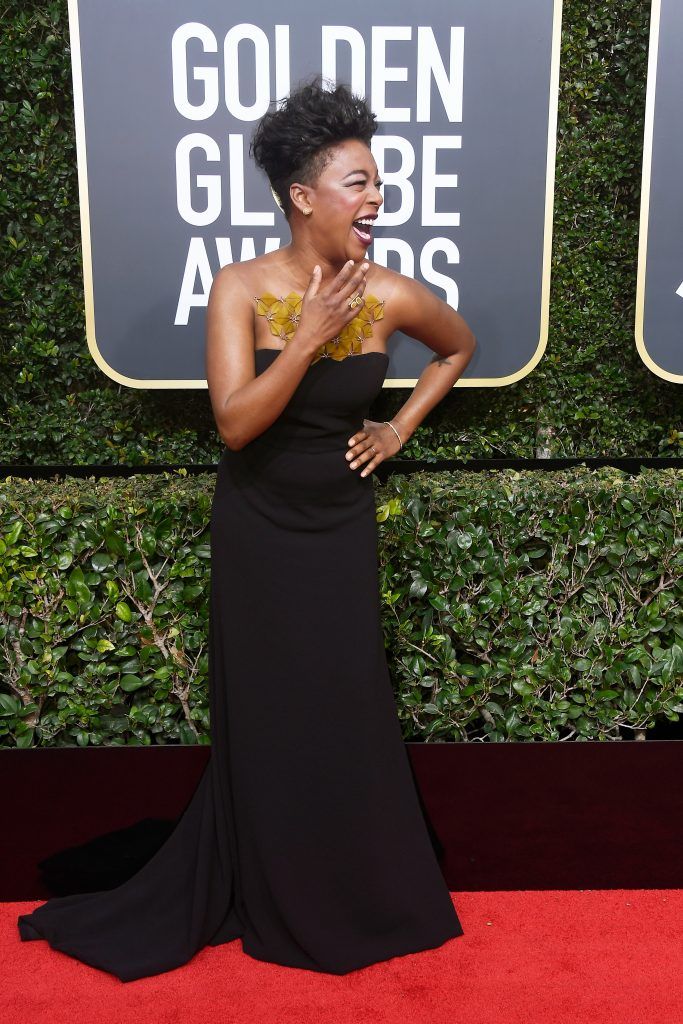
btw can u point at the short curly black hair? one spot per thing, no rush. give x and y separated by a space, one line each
292 143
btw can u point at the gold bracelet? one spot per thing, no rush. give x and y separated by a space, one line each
400 442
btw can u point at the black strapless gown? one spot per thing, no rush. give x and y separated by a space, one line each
305 835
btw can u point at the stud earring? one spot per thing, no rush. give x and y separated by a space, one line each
307 211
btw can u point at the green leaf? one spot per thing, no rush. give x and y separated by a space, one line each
123 612
131 683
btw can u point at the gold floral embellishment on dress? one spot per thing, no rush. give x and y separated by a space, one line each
283 315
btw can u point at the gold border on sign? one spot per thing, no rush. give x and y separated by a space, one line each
653 52
395 382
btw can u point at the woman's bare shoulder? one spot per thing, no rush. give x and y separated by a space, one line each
249 277
387 284
384 278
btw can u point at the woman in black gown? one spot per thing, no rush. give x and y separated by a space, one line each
305 836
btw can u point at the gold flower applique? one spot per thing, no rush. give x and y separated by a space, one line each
283 315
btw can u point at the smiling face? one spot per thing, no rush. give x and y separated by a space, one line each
346 191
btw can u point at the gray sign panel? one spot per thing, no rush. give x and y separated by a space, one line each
659 296
168 94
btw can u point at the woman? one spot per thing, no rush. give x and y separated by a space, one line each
305 836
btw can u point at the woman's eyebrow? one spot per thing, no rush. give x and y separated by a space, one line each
359 171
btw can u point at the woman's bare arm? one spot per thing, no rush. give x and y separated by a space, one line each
417 312
244 405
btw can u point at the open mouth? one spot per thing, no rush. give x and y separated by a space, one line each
363 230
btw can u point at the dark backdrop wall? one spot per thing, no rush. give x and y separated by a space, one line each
590 395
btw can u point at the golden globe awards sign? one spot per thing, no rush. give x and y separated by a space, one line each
659 295
167 96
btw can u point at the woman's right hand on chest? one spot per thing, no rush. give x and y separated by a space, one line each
325 309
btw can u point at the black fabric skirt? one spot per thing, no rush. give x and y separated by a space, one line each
305 836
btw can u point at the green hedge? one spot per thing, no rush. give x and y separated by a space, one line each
590 395
516 606
553 609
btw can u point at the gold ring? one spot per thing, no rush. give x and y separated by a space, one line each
355 301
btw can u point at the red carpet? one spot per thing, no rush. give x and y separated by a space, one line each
527 957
